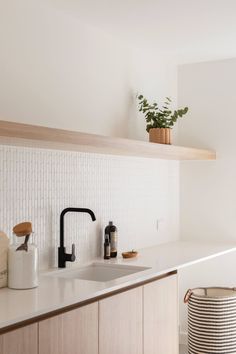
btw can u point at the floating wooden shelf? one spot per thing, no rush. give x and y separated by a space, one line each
18 134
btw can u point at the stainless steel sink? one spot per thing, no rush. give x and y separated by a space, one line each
99 272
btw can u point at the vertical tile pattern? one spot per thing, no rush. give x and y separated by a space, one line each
136 193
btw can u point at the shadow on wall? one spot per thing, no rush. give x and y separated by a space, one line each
132 123
136 122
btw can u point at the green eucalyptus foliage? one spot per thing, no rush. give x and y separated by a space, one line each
159 117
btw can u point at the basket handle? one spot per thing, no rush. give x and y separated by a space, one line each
190 292
187 295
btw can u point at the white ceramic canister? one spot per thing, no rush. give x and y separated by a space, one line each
22 265
4 243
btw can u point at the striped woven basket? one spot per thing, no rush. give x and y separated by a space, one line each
211 320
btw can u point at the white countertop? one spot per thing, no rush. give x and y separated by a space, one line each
55 293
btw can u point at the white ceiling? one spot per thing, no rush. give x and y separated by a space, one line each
188 30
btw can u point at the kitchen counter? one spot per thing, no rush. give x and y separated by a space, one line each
55 293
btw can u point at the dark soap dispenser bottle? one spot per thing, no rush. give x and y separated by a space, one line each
111 230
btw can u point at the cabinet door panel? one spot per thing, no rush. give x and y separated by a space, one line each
120 323
74 332
20 341
51 335
161 316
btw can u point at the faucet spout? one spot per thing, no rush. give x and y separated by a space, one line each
64 257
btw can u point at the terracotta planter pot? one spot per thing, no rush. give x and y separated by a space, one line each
160 135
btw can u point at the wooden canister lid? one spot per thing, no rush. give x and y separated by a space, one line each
23 229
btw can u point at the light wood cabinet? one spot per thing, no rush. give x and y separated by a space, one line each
160 322
20 341
120 323
74 332
143 320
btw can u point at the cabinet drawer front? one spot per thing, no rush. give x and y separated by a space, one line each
20 341
74 332
161 316
120 323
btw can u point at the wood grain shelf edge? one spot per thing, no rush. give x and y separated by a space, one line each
19 134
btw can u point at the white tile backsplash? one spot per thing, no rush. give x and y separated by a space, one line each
36 184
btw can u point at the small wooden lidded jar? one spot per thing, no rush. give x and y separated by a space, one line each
22 259
160 135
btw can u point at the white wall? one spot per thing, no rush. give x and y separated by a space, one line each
58 71
207 189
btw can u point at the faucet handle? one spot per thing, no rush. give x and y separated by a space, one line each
73 257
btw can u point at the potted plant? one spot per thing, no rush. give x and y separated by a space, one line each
160 120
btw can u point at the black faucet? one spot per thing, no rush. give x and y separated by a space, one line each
64 257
